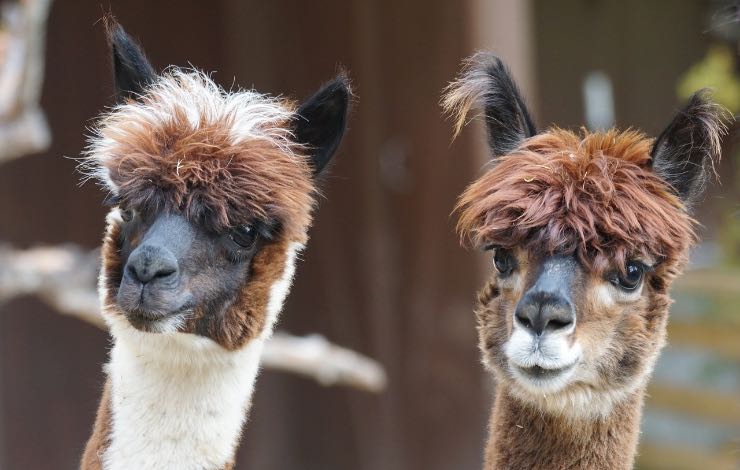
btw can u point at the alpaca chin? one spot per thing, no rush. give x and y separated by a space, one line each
168 324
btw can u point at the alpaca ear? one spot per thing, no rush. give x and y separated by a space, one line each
321 121
132 72
685 152
486 83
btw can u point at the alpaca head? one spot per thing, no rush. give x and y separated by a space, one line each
211 194
586 233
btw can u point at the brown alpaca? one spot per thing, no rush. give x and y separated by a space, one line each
588 232
211 194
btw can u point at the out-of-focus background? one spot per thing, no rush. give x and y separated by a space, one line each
383 274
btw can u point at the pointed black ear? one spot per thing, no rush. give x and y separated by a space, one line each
486 83
685 152
131 70
321 121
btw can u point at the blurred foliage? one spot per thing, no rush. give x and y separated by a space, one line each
716 71
729 236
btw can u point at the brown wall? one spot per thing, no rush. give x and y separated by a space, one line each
645 48
383 273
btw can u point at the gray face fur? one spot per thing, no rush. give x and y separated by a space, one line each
171 267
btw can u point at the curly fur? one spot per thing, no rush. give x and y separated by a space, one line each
605 198
222 158
593 194
182 145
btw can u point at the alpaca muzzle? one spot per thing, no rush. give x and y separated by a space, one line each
151 292
540 353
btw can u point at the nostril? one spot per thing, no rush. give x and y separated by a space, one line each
145 274
131 270
523 320
139 272
540 313
558 324
165 272
148 263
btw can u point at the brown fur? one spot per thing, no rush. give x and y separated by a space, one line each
178 146
620 341
91 459
595 198
171 165
217 179
245 318
593 195
530 439
216 173
606 198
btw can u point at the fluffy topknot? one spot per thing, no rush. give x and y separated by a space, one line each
592 194
222 158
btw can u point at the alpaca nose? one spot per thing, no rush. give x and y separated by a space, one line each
542 312
546 306
148 262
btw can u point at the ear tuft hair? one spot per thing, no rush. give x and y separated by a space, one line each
132 72
485 82
322 119
686 152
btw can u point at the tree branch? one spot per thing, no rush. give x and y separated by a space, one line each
23 127
65 278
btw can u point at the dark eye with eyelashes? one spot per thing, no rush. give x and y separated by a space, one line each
503 261
126 214
632 277
244 235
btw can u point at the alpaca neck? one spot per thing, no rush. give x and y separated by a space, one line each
177 400
522 436
176 404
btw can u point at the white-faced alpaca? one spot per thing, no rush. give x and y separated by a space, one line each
212 193
587 232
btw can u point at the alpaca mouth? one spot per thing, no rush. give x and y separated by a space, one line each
542 379
146 322
154 310
155 321
541 373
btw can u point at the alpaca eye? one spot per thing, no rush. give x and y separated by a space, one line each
244 236
127 214
503 261
631 278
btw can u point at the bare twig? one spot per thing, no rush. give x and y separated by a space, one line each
327 363
23 128
65 278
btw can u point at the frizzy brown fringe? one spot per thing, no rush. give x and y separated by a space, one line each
592 194
221 158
